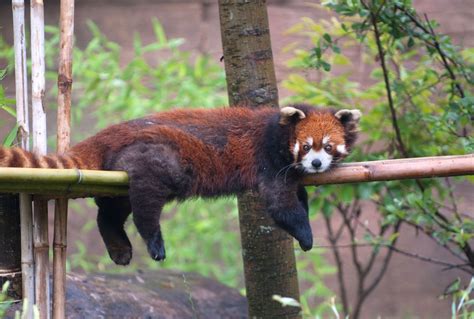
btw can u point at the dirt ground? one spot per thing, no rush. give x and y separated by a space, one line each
410 287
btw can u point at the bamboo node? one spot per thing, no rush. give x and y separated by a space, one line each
64 83
41 247
80 176
59 245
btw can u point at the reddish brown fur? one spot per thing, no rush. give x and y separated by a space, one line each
317 126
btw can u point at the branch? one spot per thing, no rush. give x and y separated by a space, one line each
402 252
401 145
430 260
386 261
333 238
435 44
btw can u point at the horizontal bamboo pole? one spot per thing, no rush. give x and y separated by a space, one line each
397 169
45 191
62 176
75 183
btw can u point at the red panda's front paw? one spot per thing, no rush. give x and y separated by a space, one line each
306 241
297 225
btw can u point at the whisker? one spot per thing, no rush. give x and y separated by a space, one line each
291 166
285 167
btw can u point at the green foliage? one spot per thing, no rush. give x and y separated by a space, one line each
462 306
427 77
200 236
157 76
5 302
6 106
313 268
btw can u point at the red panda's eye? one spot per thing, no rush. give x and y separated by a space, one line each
328 148
306 148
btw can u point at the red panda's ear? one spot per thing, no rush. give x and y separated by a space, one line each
287 113
348 117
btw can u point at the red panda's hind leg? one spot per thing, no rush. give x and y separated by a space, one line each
147 207
157 176
113 212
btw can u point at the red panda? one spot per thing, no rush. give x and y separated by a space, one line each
180 154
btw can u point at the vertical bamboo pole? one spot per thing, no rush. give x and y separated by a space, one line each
59 259
41 253
269 260
64 128
27 261
40 213
38 77
21 85
27 258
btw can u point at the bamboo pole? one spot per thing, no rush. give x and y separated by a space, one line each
27 261
37 77
41 253
56 192
72 182
62 176
64 127
40 213
397 169
59 259
251 82
27 257
21 84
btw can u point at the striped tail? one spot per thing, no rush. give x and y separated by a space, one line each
17 157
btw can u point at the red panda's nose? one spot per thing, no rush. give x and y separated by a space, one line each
316 163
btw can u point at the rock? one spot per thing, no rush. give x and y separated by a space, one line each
162 294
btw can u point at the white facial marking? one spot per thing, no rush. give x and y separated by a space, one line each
342 148
296 150
321 155
326 139
309 140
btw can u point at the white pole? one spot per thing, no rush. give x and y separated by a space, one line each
27 262
37 77
21 85
40 214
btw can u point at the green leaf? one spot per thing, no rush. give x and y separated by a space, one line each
326 66
8 141
286 301
327 37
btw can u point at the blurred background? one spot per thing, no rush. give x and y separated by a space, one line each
134 57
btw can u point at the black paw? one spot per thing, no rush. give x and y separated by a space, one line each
298 226
305 241
121 256
156 247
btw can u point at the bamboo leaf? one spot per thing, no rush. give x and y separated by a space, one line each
8 141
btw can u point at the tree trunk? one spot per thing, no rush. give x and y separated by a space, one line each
269 260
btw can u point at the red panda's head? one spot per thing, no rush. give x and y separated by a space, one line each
321 137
